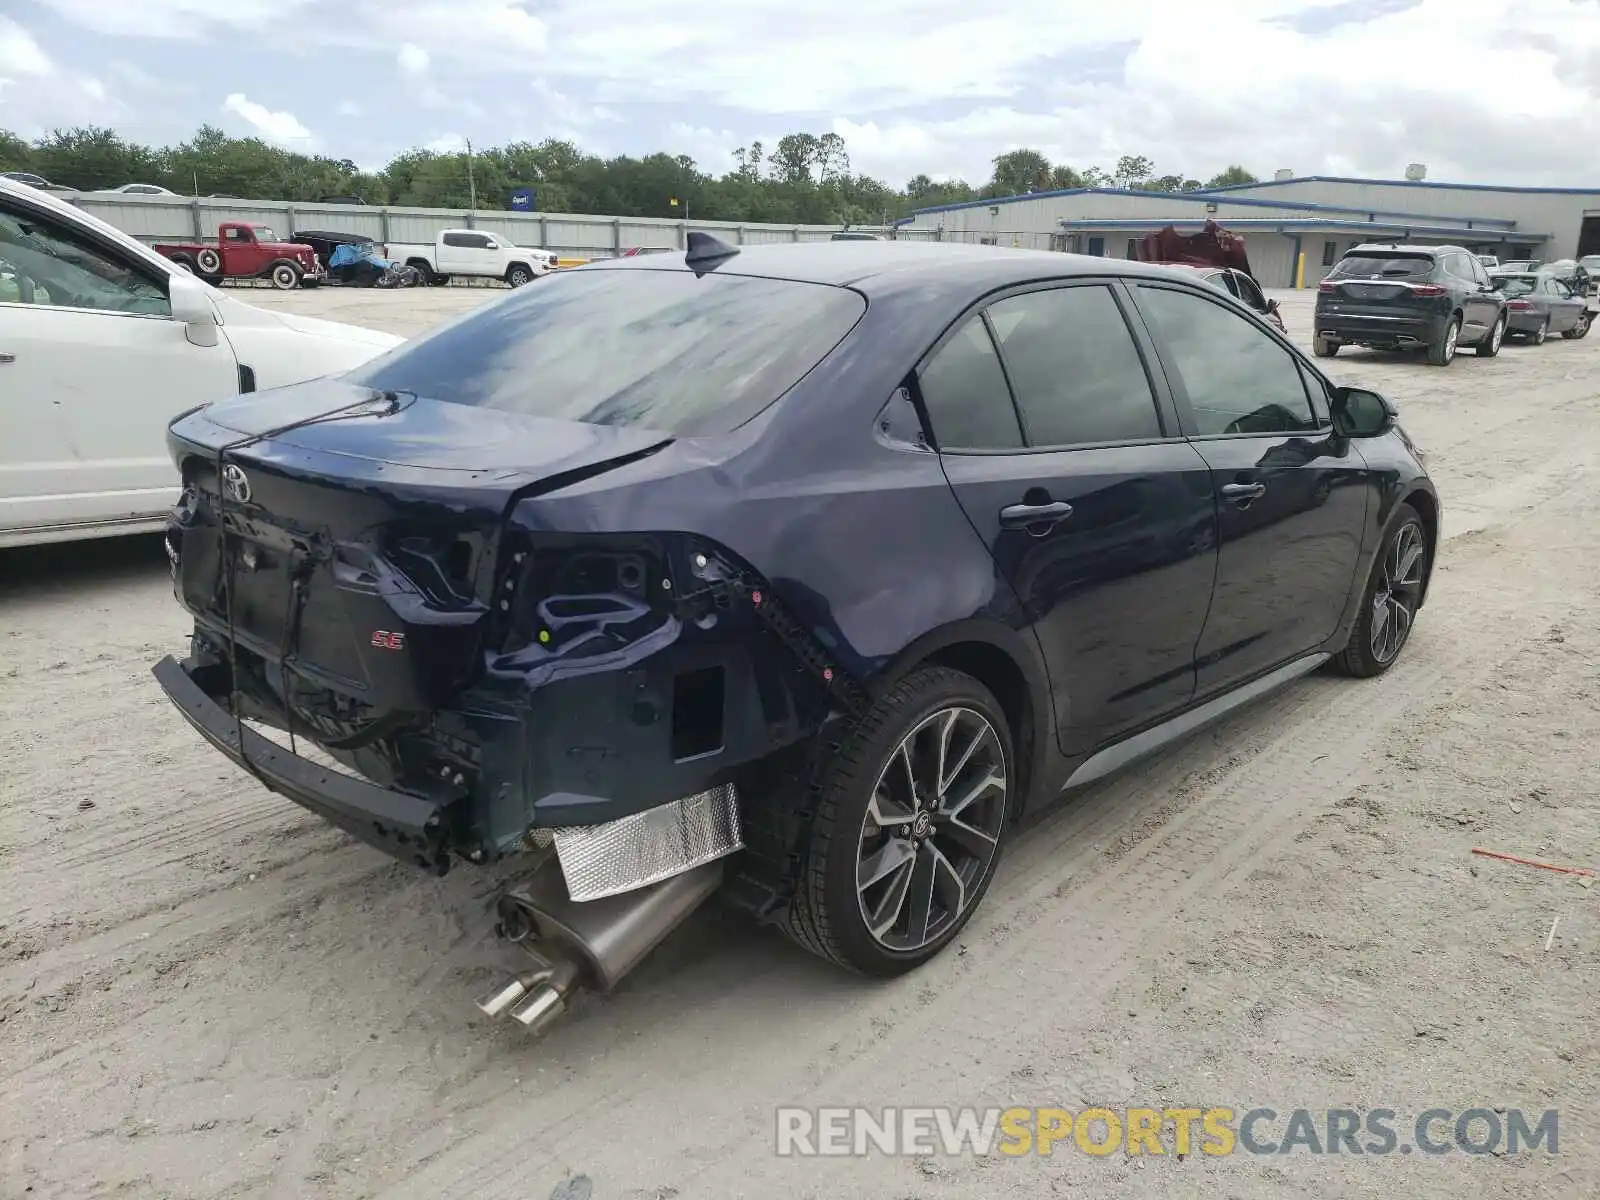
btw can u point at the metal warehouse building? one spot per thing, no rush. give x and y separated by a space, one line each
1294 229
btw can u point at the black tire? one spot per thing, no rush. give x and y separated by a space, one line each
828 913
1580 330
1360 657
285 276
1324 347
1538 336
519 275
1442 351
1489 344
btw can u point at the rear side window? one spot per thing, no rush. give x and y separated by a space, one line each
965 392
1238 379
1383 266
658 349
1074 367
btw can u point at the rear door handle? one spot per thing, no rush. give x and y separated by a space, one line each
7 358
1243 493
1024 516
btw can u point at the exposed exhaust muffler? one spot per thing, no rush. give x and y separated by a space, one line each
591 944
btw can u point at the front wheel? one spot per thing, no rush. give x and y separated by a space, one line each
1442 351
1489 346
285 278
1579 330
1390 601
517 275
908 827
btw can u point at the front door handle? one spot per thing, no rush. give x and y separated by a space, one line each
1027 516
7 358
1243 493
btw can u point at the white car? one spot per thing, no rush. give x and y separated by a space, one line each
102 343
473 253
143 189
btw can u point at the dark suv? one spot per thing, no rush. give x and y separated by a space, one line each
1399 297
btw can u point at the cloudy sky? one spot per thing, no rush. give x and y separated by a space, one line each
1480 90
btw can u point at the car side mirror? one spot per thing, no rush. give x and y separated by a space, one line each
191 306
1359 413
1272 305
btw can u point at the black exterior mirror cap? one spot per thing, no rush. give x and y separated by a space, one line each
1360 412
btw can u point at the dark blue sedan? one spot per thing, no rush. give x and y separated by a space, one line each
799 572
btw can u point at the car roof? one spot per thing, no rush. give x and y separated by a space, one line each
1397 248
881 268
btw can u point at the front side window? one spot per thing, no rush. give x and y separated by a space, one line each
1250 293
42 262
662 350
1074 367
1238 379
965 393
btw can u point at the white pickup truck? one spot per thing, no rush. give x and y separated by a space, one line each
472 252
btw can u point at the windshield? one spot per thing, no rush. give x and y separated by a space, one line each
658 349
1382 266
264 233
1515 285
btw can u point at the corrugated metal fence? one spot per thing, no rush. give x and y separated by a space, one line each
154 218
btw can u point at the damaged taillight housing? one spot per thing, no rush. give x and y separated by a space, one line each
581 595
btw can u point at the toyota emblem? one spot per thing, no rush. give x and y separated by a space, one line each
236 483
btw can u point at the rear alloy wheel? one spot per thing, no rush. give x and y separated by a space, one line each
1324 347
1581 329
1538 336
1441 352
285 278
908 827
1490 345
1392 597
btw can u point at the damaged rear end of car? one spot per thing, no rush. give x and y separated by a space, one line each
477 590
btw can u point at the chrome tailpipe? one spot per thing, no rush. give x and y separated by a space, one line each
591 944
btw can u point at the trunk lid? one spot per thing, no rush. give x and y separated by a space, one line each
363 545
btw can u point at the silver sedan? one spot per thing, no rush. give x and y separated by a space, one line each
1538 305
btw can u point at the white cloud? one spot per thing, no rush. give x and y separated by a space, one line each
348 108
446 143
19 53
413 59
932 86
283 127
181 19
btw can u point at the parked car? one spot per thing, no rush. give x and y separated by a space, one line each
815 571
856 235
28 178
1394 297
342 200
1572 273
366 268
102 342
1538 305
143 189
1238 285
1520 266
473 253
1489 261
247 251
631 251
1591 264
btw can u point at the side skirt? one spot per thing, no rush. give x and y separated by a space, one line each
1114 758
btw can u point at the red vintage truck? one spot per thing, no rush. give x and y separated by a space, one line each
247 251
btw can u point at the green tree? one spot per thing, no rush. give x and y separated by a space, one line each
1230 177
1017 172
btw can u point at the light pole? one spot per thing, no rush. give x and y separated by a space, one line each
472 181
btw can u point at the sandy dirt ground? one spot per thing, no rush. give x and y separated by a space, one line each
206 992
